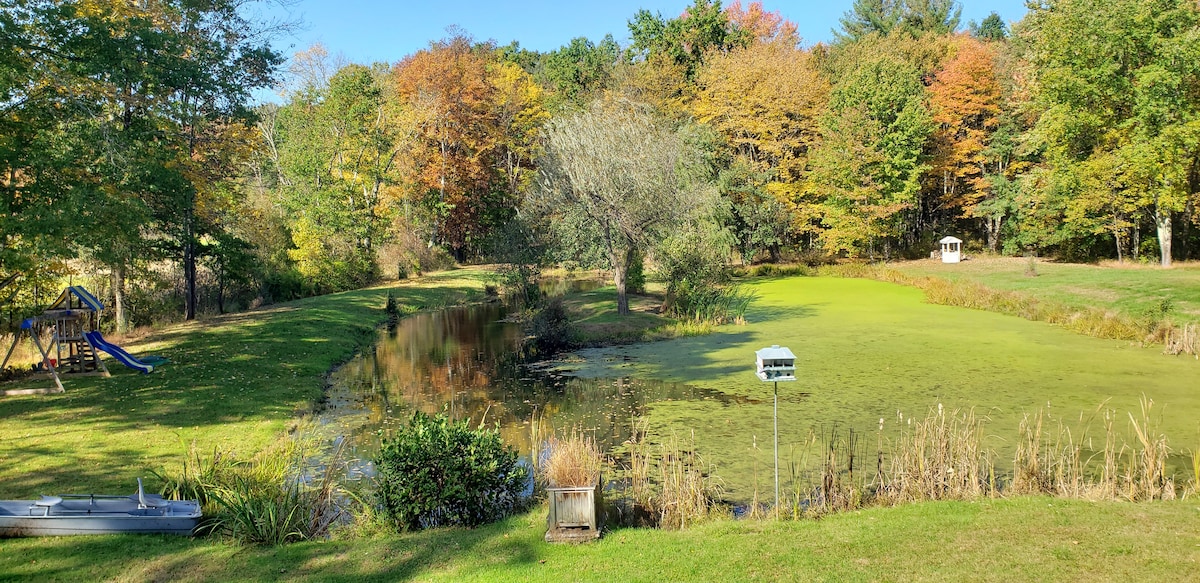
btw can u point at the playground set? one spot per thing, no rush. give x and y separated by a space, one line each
75 341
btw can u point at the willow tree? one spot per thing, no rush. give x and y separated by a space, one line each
619 173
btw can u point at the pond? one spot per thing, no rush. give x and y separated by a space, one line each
464 361
872 356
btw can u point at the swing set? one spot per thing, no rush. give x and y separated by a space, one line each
73 319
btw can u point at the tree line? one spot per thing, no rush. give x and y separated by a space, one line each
127 143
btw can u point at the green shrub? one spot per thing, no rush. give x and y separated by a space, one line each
551 328
635 274
438 472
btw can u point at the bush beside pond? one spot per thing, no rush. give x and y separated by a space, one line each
438 472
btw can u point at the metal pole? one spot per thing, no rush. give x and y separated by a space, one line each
777 448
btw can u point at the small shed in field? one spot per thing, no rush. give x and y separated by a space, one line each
951 249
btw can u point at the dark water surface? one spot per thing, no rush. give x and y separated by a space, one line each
463 361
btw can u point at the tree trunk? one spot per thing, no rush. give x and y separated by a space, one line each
620 263
1162 220
1137 239
189 275
220 290
1185 244
119 312
993 232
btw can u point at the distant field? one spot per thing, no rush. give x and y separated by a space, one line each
1131 289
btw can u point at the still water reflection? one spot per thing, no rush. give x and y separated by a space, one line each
463 361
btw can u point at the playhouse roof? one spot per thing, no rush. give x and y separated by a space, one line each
775 352
76 298
950 240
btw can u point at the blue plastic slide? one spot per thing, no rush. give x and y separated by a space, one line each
117 352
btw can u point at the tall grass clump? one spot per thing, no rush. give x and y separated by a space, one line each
270 499
1052 461
1049 460
712 304
669 481
1183 340
574 461
940 457
828 476
1193 486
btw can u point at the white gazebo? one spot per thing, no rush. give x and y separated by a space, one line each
951 249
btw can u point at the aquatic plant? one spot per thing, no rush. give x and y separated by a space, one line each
669 480
269 499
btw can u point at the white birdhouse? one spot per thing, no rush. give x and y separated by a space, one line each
951 249
776 364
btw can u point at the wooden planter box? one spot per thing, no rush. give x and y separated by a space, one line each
574 514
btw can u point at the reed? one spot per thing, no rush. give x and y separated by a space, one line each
688 495
1193 487
1146 476
1051 461
1183 340
669 480
1054 463
940 457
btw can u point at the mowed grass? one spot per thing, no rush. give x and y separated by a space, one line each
1027 539
871 352
234 382
594 316
1131 289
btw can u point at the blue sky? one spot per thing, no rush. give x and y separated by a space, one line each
366 31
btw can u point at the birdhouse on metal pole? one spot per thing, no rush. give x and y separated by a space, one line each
776 364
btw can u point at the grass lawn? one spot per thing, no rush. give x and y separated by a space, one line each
1132 289
594 315
1026 539
234 382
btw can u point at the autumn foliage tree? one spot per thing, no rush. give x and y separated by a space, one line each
475 138
869 166
766 101
965 102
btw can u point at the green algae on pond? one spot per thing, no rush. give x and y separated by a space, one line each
869 353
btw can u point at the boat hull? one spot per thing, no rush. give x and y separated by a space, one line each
96 516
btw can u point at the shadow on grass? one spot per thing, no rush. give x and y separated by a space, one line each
510 544
237 378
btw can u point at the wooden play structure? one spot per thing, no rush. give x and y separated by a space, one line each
73 320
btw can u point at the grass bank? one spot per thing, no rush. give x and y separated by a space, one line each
1132 289
1026 539
235 382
